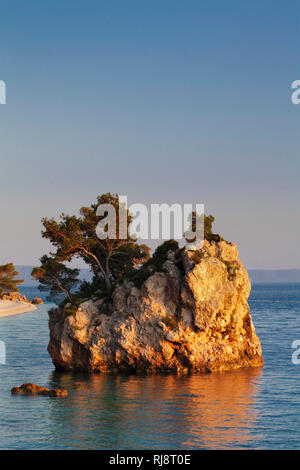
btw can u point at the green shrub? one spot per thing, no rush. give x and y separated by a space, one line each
105 307
71 310
232 268
170 322
154 264
196 256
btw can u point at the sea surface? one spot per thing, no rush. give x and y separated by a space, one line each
244 409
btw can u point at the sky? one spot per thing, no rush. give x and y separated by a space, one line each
172 101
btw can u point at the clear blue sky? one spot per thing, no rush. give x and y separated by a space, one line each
164 101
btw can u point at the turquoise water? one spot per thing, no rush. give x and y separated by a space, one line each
254 408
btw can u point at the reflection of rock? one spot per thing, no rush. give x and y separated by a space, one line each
33 389
210 411
37 301
191 318
14 297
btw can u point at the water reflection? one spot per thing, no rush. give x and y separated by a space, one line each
207 411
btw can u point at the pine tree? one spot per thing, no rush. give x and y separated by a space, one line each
8 283
56 278
109 258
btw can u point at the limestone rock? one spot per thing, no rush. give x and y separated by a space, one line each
193 317
37 301
33 389
15 297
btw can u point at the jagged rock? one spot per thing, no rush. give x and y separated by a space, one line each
14 297
33 389
191 318
37 301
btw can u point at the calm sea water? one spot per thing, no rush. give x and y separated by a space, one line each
252 409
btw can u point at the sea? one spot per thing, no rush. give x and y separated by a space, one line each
257 408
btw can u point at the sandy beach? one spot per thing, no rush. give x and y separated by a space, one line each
8 307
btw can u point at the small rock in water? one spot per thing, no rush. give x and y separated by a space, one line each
33 389
37 301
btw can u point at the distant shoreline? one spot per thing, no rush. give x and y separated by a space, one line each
9 308
255 275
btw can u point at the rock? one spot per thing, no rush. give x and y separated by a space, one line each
33 389
193 317
15 297
37 301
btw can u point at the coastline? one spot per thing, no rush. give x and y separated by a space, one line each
8 308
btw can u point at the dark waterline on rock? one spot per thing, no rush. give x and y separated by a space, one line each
249 408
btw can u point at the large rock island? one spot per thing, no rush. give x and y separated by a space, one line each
191 317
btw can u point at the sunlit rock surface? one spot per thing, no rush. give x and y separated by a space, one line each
37 301
33 389
192 318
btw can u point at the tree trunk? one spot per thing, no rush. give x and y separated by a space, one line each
66 291
107 274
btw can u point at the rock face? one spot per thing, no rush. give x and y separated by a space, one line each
33 389
15 297
191 318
